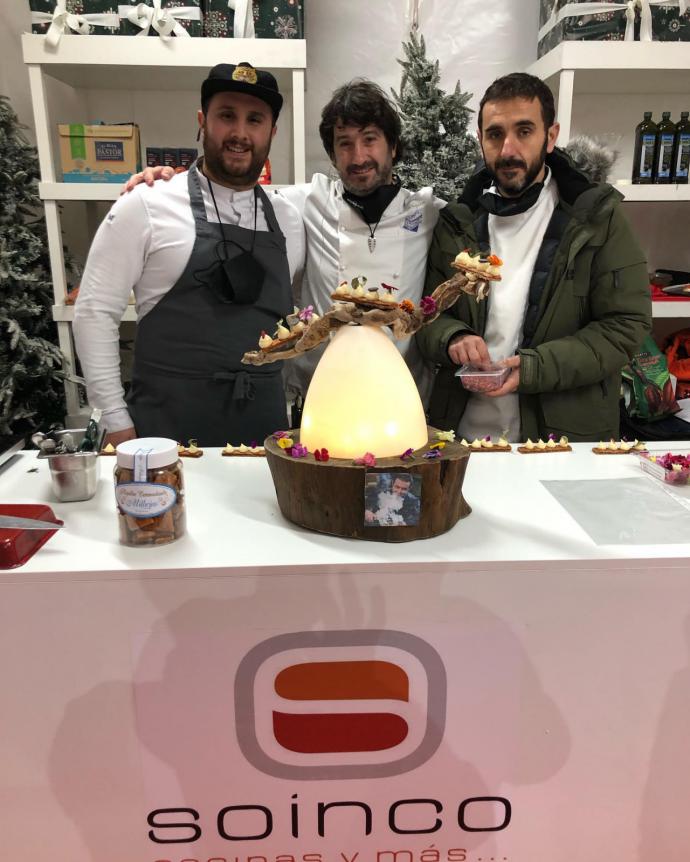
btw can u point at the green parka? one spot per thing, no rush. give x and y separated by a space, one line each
594 313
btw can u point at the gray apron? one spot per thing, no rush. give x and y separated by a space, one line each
188 381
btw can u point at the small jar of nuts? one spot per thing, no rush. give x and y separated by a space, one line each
149 489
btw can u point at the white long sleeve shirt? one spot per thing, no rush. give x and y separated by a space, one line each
143 245
338 250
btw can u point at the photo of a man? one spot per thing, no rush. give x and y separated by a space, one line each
392 500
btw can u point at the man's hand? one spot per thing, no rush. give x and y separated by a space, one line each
468 349
115 437
148 176
512 380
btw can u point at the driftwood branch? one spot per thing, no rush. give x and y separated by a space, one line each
403 323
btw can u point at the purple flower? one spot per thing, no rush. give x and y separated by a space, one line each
432 453
305 314
299 451
428 305
406 454
278 435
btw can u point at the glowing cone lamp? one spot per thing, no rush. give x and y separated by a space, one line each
362 398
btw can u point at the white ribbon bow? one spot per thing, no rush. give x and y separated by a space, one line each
61 20
166 22
575 10
243 27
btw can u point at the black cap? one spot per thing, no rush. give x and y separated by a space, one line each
242 78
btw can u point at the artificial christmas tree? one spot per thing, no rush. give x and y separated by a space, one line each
439 149
31 392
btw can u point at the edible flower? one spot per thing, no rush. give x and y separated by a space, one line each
367 460
495 260
448 436
286 442
305 314
298 450
439 445
277 435
432 453
428 305
407 306
321 454
407 454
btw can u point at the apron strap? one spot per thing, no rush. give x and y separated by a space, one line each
269 212
243 390
196 199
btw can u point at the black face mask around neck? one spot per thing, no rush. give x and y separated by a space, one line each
497 205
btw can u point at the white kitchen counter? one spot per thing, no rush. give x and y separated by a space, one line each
233 519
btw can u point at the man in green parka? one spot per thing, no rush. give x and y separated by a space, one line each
573 304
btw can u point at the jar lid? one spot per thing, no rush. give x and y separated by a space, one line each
158 451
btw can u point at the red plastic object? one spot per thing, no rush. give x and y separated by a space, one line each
18 546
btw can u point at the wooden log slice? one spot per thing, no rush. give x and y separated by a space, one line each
328 497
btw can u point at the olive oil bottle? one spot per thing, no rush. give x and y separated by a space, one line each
681 157
645 150
666 138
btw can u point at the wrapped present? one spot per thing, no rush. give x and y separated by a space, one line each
670 21
279 19
224 19
164 18
579 20
55 18
244 19
646 20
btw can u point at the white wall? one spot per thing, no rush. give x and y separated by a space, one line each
476 41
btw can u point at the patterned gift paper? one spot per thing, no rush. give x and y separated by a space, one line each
273 19
76 7
279 19
606 26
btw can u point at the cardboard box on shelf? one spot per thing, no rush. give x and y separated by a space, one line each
99 153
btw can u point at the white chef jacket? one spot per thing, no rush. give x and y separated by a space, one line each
338 250
144 244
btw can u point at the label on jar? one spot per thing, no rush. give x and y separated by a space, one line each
144 499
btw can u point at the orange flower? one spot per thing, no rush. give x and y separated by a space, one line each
407 305
494 260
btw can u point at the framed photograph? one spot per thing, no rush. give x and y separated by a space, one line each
392 499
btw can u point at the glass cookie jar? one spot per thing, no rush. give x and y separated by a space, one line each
149 490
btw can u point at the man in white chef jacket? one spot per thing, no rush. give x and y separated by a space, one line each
363 223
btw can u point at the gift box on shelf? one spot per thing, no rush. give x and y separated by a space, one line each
560 21
279 19
263 19
99 153
628 20
219 19
670 21
56 18
165 18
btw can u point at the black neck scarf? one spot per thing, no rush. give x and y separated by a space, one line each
372 206
497 205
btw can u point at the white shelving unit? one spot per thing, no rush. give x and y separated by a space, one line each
133 64
617 75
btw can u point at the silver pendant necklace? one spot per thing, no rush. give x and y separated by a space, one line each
371 242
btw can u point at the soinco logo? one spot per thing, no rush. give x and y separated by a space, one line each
341 704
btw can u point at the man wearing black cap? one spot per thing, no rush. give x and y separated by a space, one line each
211 261
364 223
